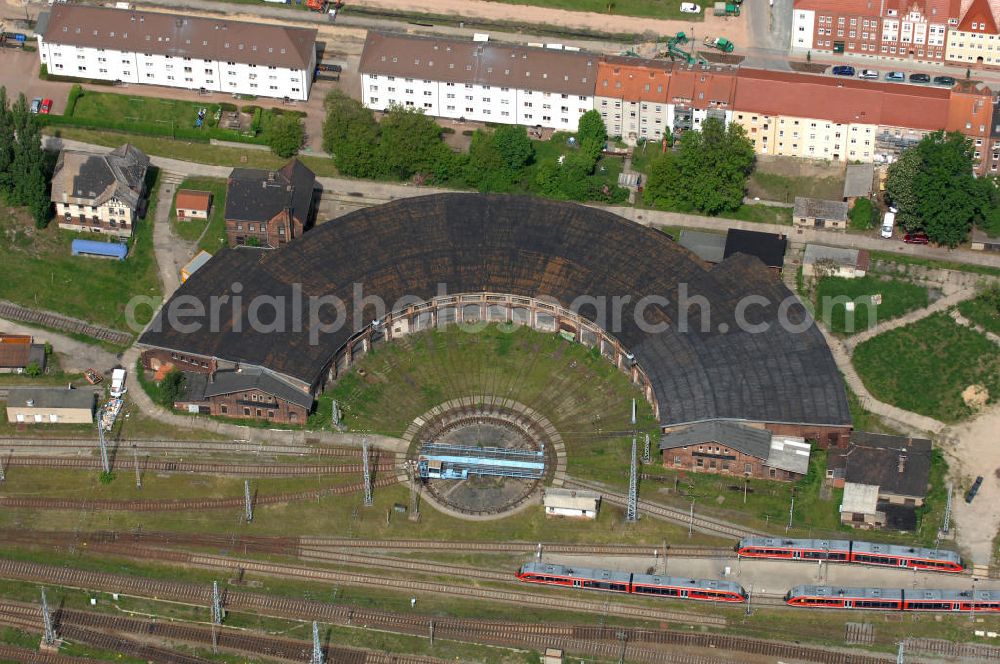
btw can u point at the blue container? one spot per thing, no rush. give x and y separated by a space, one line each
100 249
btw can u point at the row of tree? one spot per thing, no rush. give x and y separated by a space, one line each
933 187
23 170
706 172
406 144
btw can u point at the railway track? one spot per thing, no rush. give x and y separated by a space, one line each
674 515
197 447
12 311
166 466
12 502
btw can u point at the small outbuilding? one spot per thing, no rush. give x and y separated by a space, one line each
859 507
194 265
50 406
983 242
17 353
858 182
192 204
573 503
823 261
117 250
818 213
709 247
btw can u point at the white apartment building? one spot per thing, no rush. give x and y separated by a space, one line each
190 52
477 80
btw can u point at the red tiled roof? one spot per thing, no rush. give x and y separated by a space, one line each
189 199
634 80
970 110
845 7
979 12
840 100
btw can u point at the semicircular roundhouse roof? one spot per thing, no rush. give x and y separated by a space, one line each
533 247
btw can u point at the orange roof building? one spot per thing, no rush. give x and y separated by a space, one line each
974 42
193 204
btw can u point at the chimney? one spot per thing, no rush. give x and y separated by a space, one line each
902 462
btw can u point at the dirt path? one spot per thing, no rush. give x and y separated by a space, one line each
972 449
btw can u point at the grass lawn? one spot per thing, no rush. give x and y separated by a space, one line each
194 230
647 8
784 188
761 214
202 153
904 259
39 271
983 311
898 297
150 110
924 367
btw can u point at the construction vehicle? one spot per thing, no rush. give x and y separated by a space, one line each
675 52
726 9
720 43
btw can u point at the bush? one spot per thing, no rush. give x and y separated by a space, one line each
863 215
227 107
74 93
250 109
33 369
171 388
447 130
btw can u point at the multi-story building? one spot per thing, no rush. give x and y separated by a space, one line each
478 80
191 52
899 29
646 99
100 193
975 41
269 208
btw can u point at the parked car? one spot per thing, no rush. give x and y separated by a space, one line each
895 77
36 104
920 78
869 74
843 70
690 8
974 489
888 223
916 238
944 80
46 106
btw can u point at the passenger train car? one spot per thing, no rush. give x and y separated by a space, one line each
627 582
894 599
865 553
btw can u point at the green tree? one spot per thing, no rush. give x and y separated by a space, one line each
863 215
172 388
285 136
486 169
707 173
514 146
936 191
6 145
350 134
410 143
30 186
33 369
591 129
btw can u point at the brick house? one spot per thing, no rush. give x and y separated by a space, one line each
17 352
247 394
730 448
100 193
269 208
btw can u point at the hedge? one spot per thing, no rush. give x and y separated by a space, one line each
227 107
74 94
203 135
43 73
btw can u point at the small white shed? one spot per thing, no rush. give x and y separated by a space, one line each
573 503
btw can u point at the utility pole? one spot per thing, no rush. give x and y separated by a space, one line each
50 631
946 525
135 458
632 507
369 500
105 462
899 655
749 599
791 510
217 611
645 451
247 502
691 521
317 655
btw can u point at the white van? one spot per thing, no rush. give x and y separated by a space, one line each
888 222
118 383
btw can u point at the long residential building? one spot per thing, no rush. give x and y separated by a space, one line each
141 47
478 80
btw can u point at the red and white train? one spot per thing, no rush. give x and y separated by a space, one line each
847 551
894 599
710 590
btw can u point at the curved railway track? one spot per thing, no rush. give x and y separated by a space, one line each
167 466
185 505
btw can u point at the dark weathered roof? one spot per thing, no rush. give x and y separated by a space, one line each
228 382
817 208
896 464
709 247
768 247
859 180
533 247
747 440
258 195
95 179
176 35
54 397
483 63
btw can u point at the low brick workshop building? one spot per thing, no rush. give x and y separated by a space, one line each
17 353
246 394
731 448
269 208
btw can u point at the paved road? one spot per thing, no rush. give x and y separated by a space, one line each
75 356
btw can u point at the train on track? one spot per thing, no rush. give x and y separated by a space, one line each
849 551
608 580
894 599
